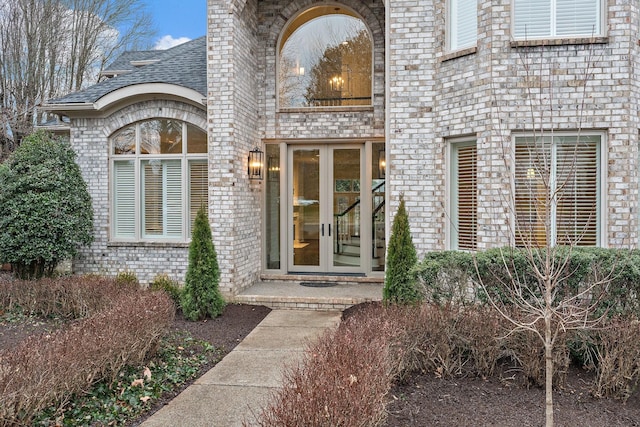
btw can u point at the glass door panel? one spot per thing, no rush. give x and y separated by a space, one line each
346 207
305 187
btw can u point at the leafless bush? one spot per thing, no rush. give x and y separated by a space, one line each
68 296
618 359
344 377
49 368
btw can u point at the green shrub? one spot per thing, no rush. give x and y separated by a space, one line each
45 208
171 287
456 276
399 284
127 278
201 296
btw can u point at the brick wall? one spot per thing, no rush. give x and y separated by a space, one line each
89 138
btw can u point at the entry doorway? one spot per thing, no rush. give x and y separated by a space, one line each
325 208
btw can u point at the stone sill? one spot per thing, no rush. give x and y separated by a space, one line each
560 42
147 244
339 109
459 53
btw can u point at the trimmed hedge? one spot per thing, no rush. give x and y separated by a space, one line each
452 276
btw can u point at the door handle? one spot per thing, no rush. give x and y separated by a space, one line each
329 230
322 230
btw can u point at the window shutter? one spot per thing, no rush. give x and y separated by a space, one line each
577 181
467 197
532 181
577 18
124 195
173 198
463 17
532 19
153 200
197 189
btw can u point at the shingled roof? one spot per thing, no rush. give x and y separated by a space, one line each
183 65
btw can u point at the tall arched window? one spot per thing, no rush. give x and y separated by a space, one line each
325 60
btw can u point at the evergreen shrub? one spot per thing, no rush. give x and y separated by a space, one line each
201 296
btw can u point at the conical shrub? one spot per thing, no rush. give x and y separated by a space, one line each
201 296
399 284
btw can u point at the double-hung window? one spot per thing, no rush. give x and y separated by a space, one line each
464 195
540 19
463 24
558 191
158 180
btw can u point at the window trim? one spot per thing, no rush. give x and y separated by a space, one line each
601 177
453 222
553 39
138 159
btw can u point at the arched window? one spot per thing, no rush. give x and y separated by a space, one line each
325 60
158 180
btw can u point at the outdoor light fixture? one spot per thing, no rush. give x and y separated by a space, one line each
382 163
254 168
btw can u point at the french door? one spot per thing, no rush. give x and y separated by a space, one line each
324 208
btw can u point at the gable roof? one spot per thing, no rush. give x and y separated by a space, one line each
184 65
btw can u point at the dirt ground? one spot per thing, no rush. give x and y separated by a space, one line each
503 401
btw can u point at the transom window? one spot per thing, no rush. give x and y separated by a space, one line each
538 19
158 180
558 189
463 24
325 60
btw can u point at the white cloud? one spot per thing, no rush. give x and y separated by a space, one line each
168 41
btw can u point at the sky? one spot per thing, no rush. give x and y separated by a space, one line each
177 21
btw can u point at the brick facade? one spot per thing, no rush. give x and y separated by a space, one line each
423 97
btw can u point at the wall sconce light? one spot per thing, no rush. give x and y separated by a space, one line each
254 168
382 163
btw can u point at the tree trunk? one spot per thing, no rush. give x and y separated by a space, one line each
548 355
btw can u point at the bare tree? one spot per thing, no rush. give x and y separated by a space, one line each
51 47
552 214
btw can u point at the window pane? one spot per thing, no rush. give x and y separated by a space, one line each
124 141
577 179
325 60
162 198
197 189
532 18
161 137
272 211
124 203
463 21
532 180
577 17
466 192
196 140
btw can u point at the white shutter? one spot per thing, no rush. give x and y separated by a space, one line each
577 18
577 182
173 198
466 189
463 17
124 199
532 19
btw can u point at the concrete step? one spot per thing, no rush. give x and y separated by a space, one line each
331 293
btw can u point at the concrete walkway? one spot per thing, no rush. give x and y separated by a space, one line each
239 386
